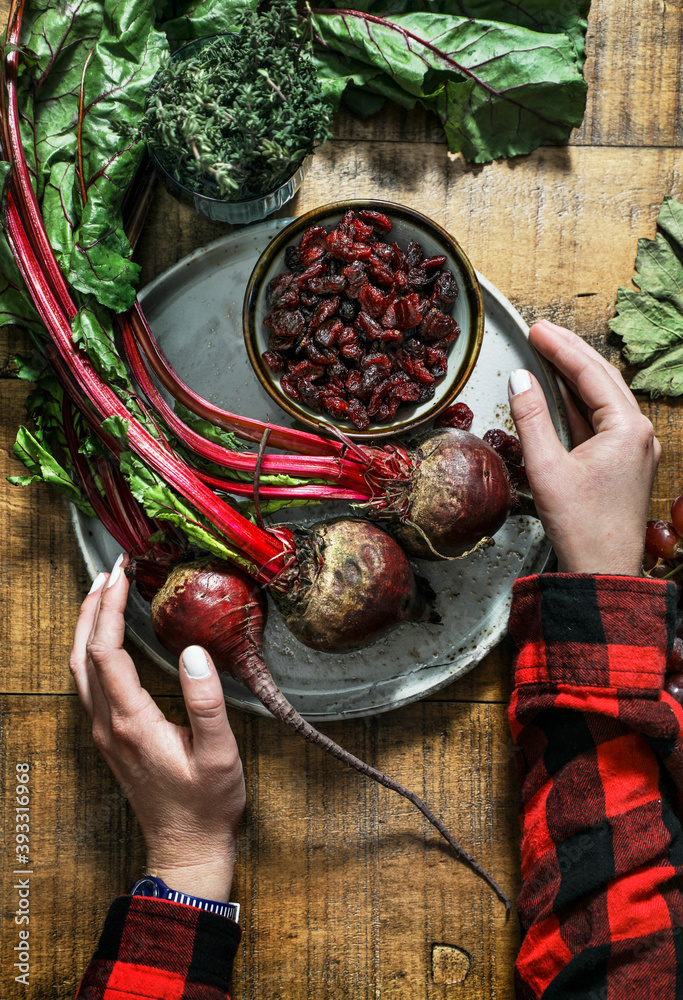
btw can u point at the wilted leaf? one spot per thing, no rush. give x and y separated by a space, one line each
650 321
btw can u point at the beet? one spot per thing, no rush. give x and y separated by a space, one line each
361 586
458 494
215 606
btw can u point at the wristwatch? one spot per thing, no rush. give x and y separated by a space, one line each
150 885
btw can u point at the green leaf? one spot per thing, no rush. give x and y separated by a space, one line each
664 377
44 467
208 430
650 320
201 17
163 504
92 330
539 15
499 89
108 53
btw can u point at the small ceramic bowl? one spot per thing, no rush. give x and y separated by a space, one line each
468 312
236 213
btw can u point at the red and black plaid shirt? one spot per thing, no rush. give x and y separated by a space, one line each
600 767
152 948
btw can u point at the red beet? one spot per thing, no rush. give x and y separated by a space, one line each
219 608
359 586
459 493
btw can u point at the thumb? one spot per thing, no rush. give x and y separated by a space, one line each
204 700
540 444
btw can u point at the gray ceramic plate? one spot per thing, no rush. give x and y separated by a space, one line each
195 310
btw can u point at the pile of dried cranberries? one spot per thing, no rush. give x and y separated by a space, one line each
357 326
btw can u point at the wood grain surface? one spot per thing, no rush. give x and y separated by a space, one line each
347 893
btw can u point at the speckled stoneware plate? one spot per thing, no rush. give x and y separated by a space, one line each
195 310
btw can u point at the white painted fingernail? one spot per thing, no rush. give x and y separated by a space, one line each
116 572
195 662
520 381
97 582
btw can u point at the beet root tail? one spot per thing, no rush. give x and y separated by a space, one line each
262 685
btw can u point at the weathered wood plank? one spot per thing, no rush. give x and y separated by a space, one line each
368 890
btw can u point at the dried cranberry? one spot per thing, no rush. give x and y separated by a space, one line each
313 235
308 299
496 438
421 374
314 354
436 325
414 254
316 270
328 284
383 252
328 332
357 277
367 325
289 388
432 262
310 394
398 258
437 361
445 289
378 358
274 360
293 260
407 312
336 407
391 336
400 281
372 301
419 279
377 220
459 415
338 369
361 231
285 323
353 383
353 352
358 415
283 292
380 272
323 311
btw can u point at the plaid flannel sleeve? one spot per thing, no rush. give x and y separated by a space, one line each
600 766
153 949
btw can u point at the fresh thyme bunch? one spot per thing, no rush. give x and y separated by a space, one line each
235 116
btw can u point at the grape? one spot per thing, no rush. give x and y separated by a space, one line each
674 686
661 539
674 664
663 570
677 514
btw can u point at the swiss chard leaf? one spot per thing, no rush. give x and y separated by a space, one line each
539 15
44 467
163 504
81 99
650 321
499 89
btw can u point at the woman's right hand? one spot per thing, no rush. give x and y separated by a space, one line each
593 500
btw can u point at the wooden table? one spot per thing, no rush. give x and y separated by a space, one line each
346 892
